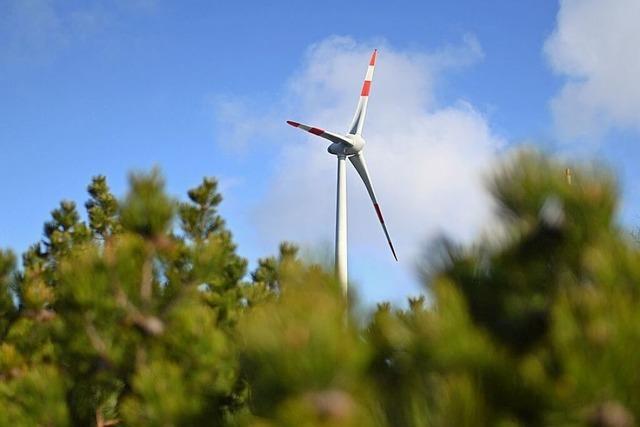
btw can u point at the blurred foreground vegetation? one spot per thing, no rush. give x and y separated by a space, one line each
144 315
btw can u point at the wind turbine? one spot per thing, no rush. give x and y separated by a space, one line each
350 146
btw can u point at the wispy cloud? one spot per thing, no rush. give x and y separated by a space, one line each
595 46
427 161
37 30
29 27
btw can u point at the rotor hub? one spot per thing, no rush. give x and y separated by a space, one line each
356 144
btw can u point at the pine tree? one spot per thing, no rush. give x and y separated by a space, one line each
122 320
102 209
143 316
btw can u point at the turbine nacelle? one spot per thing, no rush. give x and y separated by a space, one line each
353 145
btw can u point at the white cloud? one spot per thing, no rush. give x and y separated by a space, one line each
595 45
427 162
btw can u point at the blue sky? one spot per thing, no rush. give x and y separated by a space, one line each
202 88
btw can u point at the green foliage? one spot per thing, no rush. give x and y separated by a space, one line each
304 361
7 308
102 208
114 313
143 316
199 218
147 210
271 269
64 231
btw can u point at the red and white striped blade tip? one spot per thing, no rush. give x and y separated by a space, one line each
373 57
292 123
384 227
393 251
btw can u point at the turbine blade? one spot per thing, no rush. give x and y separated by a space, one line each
333 137
361 110
361 166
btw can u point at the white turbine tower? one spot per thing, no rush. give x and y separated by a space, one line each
350 146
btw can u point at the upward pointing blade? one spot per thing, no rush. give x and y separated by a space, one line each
361 166
361 110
